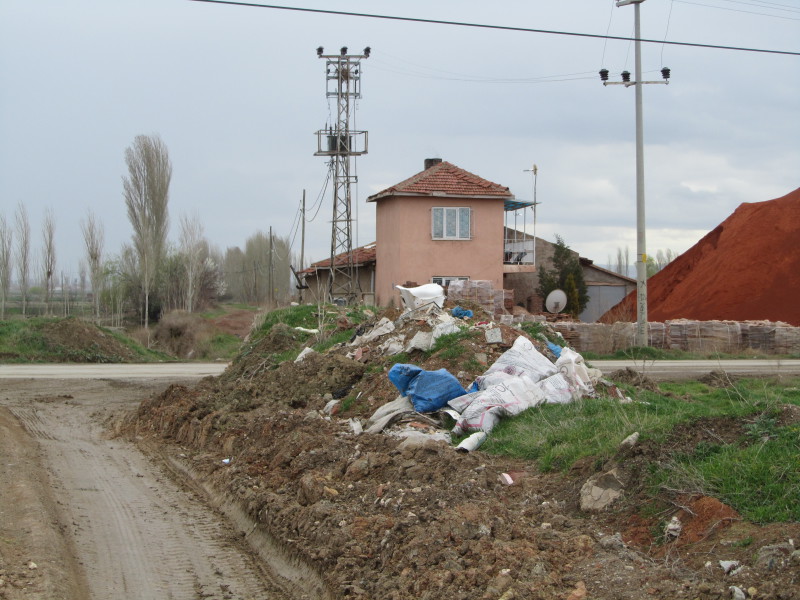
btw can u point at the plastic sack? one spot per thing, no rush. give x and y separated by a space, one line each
428 390
558 390
523 359
481 410
422 295
461 313
572 366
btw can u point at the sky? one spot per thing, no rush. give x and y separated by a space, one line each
237 93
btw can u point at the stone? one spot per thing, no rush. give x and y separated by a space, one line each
630 441
774 556
579 593
737 593
612 542
601 490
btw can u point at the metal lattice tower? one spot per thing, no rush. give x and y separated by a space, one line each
343 81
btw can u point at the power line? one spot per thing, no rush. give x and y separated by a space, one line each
498 27
749 12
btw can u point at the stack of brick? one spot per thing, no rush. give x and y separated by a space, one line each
482 293
705 337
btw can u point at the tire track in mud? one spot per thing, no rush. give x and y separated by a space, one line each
136 534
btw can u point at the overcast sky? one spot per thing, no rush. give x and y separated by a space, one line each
236 93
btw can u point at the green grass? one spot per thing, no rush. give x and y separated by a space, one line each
758 475
293 316
222 345
760 480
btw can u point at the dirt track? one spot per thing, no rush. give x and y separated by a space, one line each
83 516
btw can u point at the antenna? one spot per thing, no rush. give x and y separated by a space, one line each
556 301
534 171
343 77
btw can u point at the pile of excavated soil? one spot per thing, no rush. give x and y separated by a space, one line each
75 340
380 517
745 269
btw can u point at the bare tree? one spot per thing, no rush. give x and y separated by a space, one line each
6 239
23 253
48 256
146 191
93 239
194 249
623 262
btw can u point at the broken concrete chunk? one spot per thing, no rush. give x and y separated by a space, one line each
422 340
494 335
600 490
673 529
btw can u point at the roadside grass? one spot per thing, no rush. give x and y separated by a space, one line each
222 346
758 475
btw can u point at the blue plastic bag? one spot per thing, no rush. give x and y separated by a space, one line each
427 390
461 313
554 348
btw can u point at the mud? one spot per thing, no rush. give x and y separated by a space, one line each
86 516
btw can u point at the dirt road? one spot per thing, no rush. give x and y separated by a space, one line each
84 516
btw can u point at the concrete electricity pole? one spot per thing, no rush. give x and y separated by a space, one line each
343 77
641 247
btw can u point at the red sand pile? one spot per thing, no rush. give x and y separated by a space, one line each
747 268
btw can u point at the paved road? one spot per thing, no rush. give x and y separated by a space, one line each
663 370
112 371
659 370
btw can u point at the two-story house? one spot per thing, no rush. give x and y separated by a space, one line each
441 224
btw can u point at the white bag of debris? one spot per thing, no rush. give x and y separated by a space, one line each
523 359
481 410
430 293
572 366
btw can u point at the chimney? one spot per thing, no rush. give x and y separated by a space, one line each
431 162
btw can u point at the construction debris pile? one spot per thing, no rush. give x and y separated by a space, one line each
358 459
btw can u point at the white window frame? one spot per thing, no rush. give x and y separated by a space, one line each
444 280
448 215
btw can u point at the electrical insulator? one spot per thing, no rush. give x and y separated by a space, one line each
665 72
626 76
367 50
320 50
603 74
344 50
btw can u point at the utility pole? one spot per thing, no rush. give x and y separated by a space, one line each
343 77
302 244
271 294
641 246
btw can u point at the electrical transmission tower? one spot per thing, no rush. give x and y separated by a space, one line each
343 81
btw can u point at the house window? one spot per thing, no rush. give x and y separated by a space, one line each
451 223
444 280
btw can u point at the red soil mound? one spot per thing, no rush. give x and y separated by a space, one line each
747 268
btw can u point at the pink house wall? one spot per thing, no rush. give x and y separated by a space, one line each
406 252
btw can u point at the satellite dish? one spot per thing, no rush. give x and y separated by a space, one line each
556 301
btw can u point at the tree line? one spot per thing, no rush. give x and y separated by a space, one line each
149 275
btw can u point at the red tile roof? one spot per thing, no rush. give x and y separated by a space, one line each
445 179
361 256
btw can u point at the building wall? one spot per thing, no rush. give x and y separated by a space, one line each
406 252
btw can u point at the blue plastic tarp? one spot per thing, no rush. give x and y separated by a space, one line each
427 390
